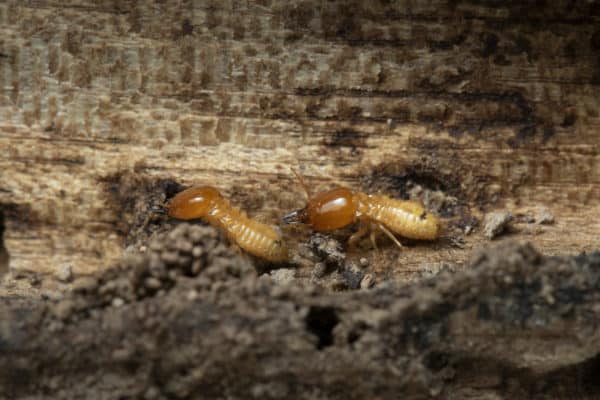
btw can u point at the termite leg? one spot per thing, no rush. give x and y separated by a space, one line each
356 236
390 235
374 240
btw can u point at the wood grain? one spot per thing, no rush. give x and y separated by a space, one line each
496 105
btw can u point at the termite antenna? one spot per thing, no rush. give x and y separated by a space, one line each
302 183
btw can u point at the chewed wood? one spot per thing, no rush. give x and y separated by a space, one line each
207 203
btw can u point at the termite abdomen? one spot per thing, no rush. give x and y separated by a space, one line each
403 217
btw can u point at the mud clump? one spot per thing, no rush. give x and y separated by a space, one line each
331 266
64 273
495 223
160 333
191 256
328 249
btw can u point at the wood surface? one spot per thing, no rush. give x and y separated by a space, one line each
495 104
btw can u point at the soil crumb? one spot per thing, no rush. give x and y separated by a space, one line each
495 223
192 255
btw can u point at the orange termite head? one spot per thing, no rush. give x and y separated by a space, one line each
327 211
192 203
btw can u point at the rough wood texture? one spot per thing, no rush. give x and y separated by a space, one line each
496 105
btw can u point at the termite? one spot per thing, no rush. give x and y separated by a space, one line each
207 203
341 207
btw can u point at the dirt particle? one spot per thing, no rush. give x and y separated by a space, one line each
495 223
170 257
64 273
117 302
319 270
352 276
283 276
152 283
327 249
